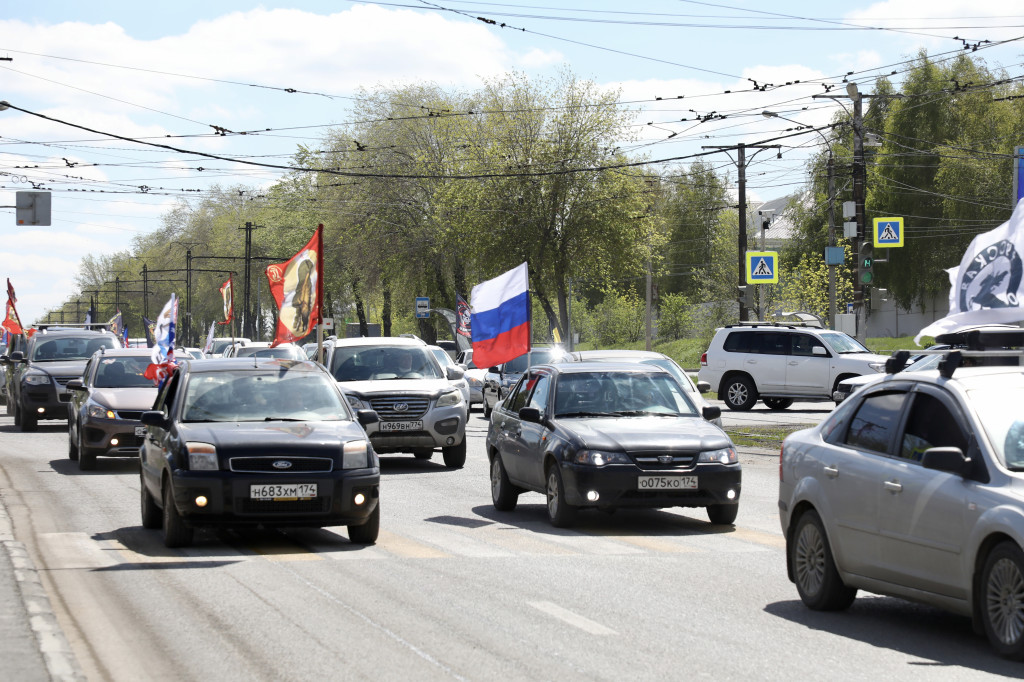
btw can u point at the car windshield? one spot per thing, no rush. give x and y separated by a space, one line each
620 393
286 352
442 357
70 348
664 363
246 395
219 346
374 363
125 372
843 343
537 356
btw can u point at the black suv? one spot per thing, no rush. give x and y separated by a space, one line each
37 376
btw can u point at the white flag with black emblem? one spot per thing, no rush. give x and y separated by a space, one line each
986 288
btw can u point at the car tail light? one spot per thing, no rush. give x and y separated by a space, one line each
704 360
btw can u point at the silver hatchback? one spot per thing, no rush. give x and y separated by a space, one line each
914 487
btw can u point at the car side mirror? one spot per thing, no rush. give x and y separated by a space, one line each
17 356
703 387
495 370
818 350
711 412
75 385
454 373
367 417
948 459
530 414
153 418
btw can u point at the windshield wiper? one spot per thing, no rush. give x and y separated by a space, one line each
284 419
587 414
636 413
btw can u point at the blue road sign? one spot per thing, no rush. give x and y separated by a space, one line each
422 306
888 232
762 267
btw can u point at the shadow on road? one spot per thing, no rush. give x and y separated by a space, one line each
646 522
104 466
942 639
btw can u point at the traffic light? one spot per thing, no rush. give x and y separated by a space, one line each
866 263
746 295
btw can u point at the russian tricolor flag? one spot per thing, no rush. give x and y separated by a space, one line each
500 318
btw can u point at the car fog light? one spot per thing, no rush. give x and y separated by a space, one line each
450 441
731 494
114 441
592 495
41 410
359 498
201 501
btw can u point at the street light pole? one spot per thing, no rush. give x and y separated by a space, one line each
860 292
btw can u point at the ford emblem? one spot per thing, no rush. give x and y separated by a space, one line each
665 459
282 464
401 407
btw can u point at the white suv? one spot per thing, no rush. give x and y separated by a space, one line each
782 363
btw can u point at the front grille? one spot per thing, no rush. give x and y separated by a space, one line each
63 381
389 407
649 460
317 505
134 415
265 465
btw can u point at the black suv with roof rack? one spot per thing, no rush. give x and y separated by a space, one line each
37 376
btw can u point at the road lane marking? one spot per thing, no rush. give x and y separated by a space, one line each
759 537
654 543
407 547
574 619
74 550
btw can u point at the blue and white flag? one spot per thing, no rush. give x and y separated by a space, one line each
163 350
986 288
500 317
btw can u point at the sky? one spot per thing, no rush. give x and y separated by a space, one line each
111 75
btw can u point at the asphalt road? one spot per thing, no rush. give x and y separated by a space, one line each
453 589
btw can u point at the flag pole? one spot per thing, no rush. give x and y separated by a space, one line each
320 293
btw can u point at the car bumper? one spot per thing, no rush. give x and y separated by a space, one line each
229 502
442 427
476 395
45 403
618 486
111 437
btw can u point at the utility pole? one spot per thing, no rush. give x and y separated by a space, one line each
649 292
861 289
831 241
741 165
145 288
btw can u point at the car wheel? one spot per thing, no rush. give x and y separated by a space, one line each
86 459
817 579
740 393
176 533
455 456
777 403
560 513
151 517
17 414
723 514
72 446
487 410
422 454
1002 608
29 423
503 493
367 533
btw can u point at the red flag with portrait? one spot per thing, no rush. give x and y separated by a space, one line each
297 287
227 292
11 322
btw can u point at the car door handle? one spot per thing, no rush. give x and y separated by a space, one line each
893 486
832 472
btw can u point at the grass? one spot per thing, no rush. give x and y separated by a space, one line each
768 437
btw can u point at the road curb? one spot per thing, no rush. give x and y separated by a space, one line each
60 661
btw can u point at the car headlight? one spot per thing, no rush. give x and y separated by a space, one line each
202 456
877 366
356 404
721 456
599 458
37 379
450 398
473 381
354 455
97 411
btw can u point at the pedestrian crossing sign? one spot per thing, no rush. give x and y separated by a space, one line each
888 232
762 267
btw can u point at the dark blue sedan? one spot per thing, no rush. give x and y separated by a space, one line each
257 442
601 435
